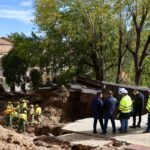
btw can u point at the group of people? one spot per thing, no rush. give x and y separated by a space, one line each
103 108
22 114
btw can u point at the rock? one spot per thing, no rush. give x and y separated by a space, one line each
45 130
10 140
81 147
52 142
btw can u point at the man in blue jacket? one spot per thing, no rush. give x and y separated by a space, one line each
97 111
138 106
109 107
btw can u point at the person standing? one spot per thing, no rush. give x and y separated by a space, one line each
38 113
138 106
9 116
97 111
31 114
125 108
109 107
22 121
148 109
9 105
23 105
18 107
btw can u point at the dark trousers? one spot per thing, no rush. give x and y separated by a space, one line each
106 123
137 111
124 124
148 126
95 123
21 125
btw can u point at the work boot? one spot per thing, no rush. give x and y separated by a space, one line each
146 131
94 132
139 126
133 126
121 131
104 132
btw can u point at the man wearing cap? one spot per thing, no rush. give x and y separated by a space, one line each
148 109
97 111
138 106
125 108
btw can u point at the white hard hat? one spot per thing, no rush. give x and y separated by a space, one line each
123 91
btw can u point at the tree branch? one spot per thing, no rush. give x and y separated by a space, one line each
110 66
129 49
88 63
144 53
135 21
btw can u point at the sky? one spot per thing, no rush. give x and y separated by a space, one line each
16 16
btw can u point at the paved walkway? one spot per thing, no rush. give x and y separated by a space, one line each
134 136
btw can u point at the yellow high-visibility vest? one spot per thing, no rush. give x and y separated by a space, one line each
24 105
10 106
125 105
148 104
31 111
14 114
38 111
18 107
23 116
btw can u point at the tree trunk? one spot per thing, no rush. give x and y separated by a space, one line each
12 87
23 89
119 56
137 76
98 67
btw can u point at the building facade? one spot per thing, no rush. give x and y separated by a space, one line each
5 47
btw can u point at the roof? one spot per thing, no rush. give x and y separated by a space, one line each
5 46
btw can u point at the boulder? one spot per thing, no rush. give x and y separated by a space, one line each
46 130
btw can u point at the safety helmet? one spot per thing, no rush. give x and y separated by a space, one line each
18 102
123 91
9 102
25 111
36 105
23 100
31 106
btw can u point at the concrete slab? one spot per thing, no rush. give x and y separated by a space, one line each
76 138
134 136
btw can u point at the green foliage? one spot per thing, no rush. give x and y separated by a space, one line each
66 76
36 78
100 38
26 52
28 48
88 31
75 30
14 68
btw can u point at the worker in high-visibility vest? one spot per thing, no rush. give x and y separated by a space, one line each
22 121
18 107
9 117
9 105
148 109
125 108
15 117
38 113
23 105
31 114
